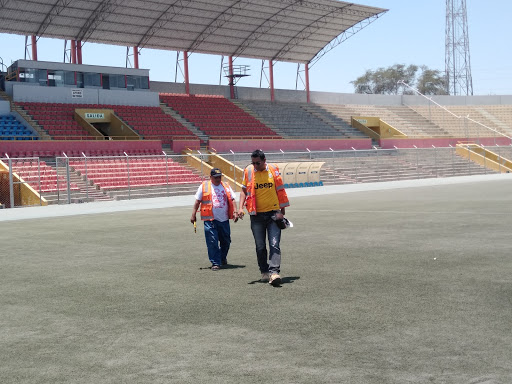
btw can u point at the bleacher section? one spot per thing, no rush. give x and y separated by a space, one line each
291 120
41 177
12 129
149 122
152 123
121 176
57 119
216 116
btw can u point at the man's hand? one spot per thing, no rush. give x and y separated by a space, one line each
241 214
193 218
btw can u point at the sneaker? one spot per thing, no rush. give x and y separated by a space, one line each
215 267
224 262
265 277
275 280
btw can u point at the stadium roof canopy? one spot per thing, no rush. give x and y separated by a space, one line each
283 30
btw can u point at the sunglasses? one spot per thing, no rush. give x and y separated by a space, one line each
256 162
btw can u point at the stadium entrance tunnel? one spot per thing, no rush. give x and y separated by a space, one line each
104 124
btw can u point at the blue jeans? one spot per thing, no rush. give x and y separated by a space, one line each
261 225
216 232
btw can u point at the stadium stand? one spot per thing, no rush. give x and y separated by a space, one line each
41 177
12 129
150 122
56 119
291 120
216 116
120 174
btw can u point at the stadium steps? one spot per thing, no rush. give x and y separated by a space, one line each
341 125
420 122
187 124
77 196
258 117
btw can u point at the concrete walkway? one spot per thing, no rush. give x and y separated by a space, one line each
181 201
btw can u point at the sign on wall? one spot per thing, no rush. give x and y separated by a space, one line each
77 93
89 115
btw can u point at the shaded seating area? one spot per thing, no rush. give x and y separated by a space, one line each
121 173
216 116
57 119
152 123
12 129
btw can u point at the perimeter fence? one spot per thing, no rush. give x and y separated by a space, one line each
67 180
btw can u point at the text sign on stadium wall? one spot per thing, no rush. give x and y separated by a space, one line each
94 115
77 93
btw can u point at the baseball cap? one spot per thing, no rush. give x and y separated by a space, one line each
215 172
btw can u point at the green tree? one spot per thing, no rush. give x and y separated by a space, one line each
386 80
431 82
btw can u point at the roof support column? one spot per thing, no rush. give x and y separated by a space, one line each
231 79
185 64
306 69
79 51
136 57
34 47
271 76
73 51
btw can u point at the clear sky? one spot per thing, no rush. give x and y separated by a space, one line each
411 32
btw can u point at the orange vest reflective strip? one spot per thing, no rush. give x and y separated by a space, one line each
207 204
250 201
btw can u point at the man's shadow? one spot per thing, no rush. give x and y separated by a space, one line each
284 280
228 266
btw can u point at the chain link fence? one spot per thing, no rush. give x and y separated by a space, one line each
67 180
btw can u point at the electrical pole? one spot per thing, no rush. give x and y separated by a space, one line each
457 59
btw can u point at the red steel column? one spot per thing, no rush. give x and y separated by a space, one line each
79 51
185 64
306 68
231 79
34 48
73 51
136 57
271 74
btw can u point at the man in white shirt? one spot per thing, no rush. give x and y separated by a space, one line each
218 205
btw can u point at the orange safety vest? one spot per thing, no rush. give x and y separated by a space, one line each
207 203
250 200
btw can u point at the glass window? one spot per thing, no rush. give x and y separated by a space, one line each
69 78
42 77
117 81
79 79
28 75
92 79
56 78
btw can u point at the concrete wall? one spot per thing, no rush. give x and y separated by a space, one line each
5 107
37 94
285 95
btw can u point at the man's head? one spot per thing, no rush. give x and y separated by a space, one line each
215 176
258 160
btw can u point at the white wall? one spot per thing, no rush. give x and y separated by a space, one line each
38 94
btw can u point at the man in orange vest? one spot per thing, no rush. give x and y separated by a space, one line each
218 205
265 198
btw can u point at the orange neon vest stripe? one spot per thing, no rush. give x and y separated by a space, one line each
207 203
250 200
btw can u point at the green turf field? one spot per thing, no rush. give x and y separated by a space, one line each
405 285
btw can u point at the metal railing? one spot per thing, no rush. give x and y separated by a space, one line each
67 180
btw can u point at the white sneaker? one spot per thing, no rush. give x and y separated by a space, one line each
265 277
275 280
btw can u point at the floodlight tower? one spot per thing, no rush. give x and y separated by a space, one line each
457 60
